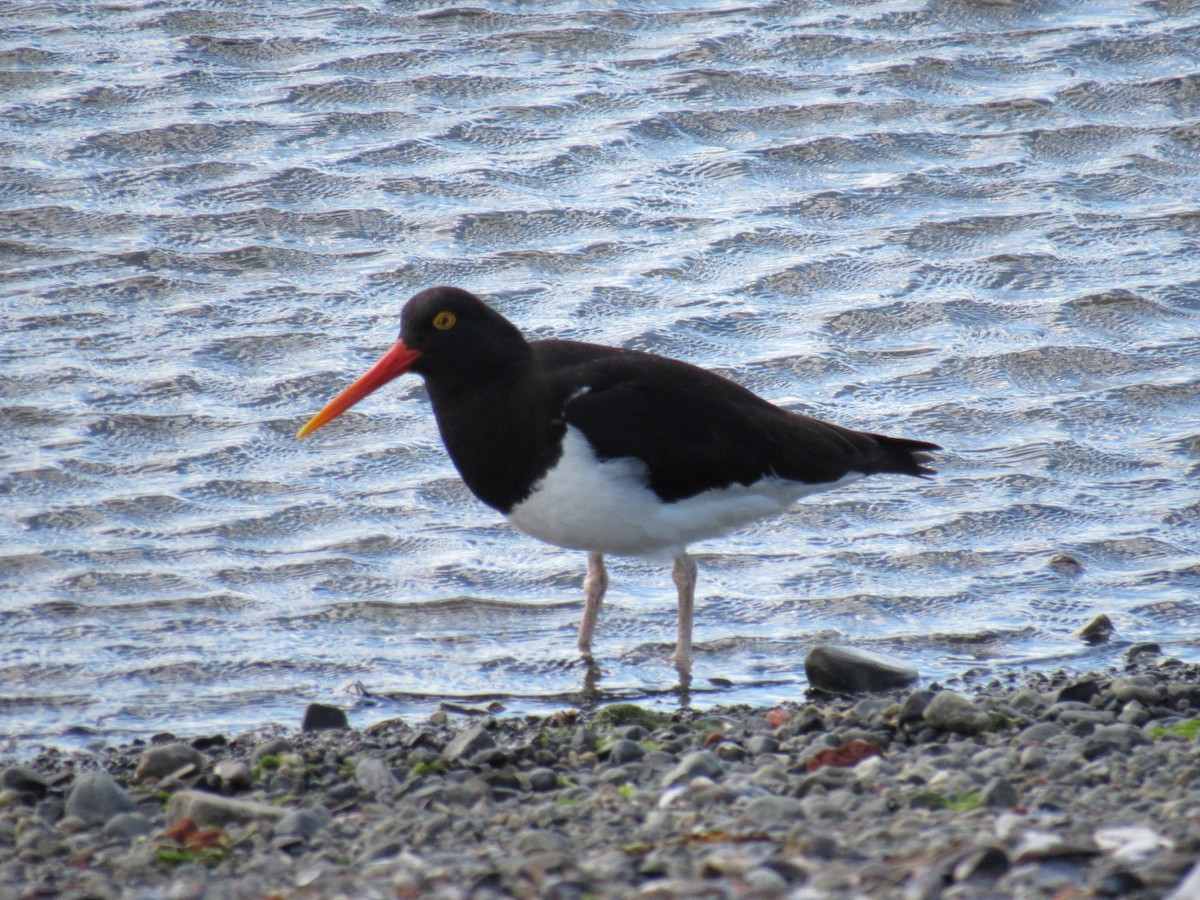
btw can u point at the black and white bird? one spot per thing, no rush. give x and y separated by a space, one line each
613 451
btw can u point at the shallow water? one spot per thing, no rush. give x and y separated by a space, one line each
972 223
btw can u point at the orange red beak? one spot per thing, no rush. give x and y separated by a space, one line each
393 364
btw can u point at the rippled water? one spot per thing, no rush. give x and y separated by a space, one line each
969 222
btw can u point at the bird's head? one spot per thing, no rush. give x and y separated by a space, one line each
449 336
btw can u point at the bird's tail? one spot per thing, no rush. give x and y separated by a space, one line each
905 456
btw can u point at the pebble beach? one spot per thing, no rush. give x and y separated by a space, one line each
1058 785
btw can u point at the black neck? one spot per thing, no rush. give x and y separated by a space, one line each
499 432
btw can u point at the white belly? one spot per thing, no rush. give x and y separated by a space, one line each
607 507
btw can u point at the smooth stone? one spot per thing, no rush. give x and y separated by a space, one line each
625 751
1147 648
948 711
1033 757
467 743
214 811
273 747
168 759
374 777
543 779
1040 732
609 867
24 781
1097 631
914 705
1093 717
999 794
985 862
1141 688
846 670
233 774
542 841
1029 702
49 811
770 810
764 882
1065 564
762 743
96 797
728 752
302 823
319 717
1120 736
342 794
127 826
582 739
1079 692
697 764
1186 694
1134 713
1188 887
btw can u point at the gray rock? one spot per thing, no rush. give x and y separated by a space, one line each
846 670
699 763
542 841
1185 694
1081 691
914 705
1125 735
273 747
467 743
233 775
1134 713
1141 688
1065 564
374 777
1029 702
95 798
1148 648
762 743
763 882
127 826
302 823
168 759
770 810
582 739
1097 631
1033 756
542 780
949 711
319 717
609 867
730 752
999 794
215 811
1189 887
1093 717
1042 731
632 732
625 751
49 811
24 781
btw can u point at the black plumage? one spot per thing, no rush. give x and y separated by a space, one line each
670 453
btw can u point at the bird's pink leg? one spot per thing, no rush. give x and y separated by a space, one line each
594 587
684 576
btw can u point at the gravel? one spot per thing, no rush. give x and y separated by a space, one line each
1057 786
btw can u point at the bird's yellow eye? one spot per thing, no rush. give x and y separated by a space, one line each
444 321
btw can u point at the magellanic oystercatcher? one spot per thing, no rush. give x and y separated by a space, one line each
613 451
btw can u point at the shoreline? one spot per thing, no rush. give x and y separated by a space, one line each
1056 785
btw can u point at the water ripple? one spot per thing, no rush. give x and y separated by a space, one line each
970 222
